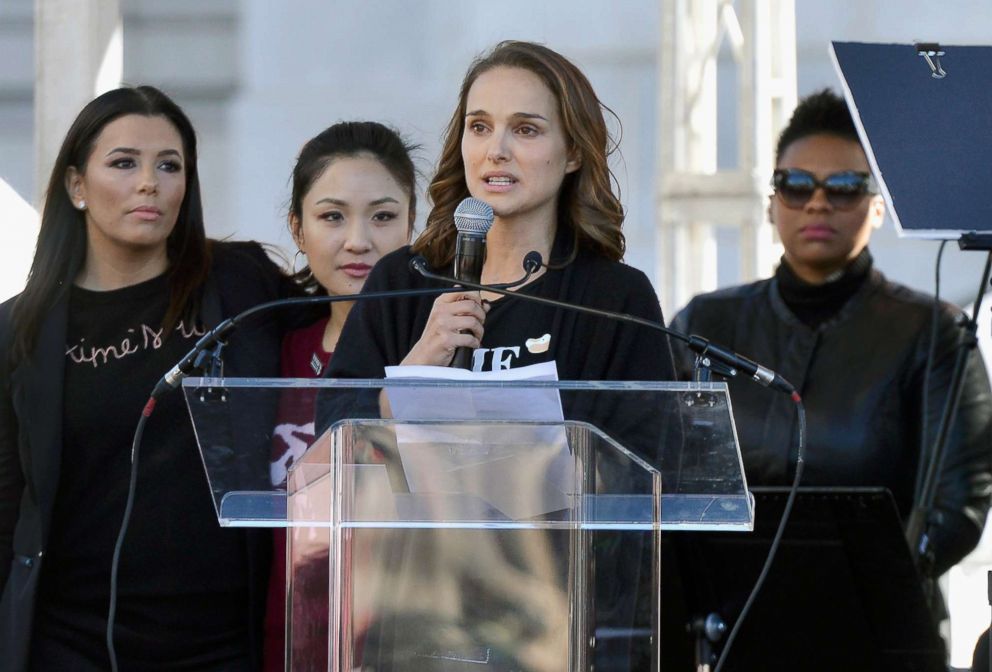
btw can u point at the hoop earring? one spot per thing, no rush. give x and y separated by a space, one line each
296 258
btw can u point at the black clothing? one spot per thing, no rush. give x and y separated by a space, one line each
980 659
861 375
44 429
519 333
585 347
815 304
115 343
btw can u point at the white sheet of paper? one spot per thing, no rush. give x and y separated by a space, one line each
411 403
457 458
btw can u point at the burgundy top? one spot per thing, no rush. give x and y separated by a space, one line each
303 356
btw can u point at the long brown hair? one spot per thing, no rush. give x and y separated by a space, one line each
61 247
587 203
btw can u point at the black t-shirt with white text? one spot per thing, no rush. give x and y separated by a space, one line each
183 579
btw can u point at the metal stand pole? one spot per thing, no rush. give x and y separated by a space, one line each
923 519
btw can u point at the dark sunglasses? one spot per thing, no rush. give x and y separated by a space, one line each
844 190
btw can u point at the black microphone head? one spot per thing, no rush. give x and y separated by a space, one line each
473 216
418 264
533 261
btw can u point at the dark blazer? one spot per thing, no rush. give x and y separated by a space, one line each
31 410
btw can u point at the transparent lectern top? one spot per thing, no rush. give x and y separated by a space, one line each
467 454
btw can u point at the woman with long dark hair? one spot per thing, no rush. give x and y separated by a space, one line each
123 282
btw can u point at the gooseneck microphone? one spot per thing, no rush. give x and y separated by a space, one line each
733 362
473 218
760 374
204 354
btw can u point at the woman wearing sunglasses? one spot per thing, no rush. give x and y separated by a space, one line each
853 343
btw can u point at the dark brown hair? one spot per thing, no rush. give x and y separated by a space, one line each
587 203
61 247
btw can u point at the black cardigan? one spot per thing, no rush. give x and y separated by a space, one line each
31 395
380 333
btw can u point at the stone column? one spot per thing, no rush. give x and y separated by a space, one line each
78 55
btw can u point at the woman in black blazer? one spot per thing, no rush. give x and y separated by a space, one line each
123 282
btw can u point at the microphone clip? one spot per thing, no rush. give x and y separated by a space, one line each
704 368
211 364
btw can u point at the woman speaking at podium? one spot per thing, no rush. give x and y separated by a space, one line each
528 137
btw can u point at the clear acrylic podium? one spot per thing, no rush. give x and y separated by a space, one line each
513 526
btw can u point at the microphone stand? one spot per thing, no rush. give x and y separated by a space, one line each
924 518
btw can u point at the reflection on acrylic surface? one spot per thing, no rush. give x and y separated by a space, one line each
415 593
489 562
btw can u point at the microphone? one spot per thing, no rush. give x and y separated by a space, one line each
698 344
760 374
472 219
205 354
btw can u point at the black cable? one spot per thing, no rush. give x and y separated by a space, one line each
172 380
931 353
773 550
169 382
919 527
705 349
128 507
701 346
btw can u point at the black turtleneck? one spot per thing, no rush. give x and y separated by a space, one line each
815 304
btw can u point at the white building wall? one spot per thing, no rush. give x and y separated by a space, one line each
258 78
16 96
402 63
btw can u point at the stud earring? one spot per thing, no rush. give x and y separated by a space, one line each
82 205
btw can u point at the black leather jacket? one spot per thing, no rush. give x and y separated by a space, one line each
861 375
